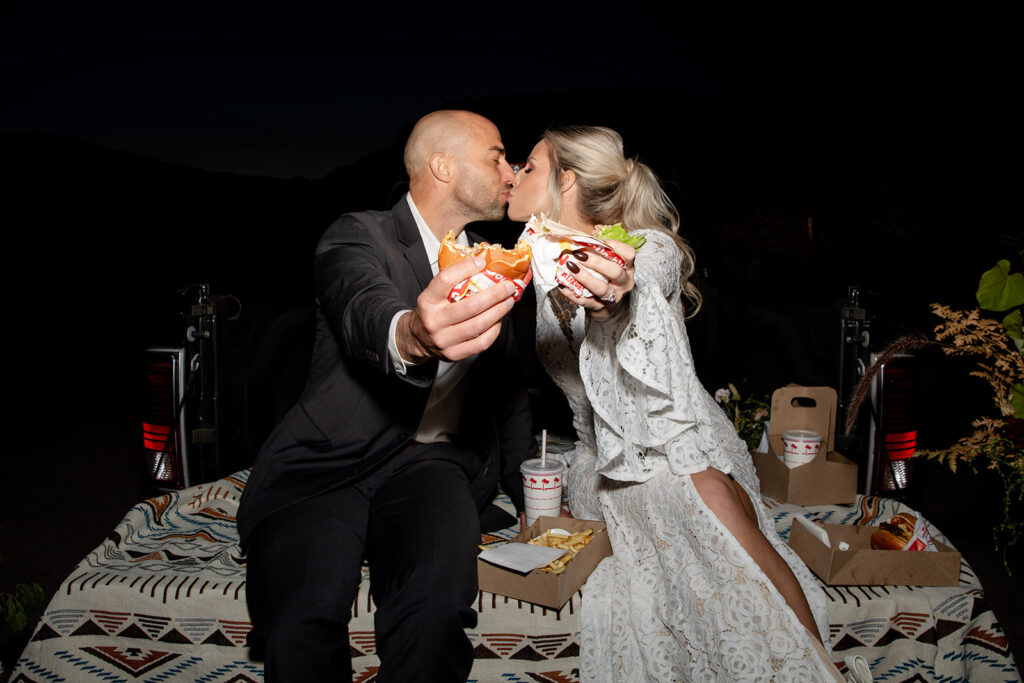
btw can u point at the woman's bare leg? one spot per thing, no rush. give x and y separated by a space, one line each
731 504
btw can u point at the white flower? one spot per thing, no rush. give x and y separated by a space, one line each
722 395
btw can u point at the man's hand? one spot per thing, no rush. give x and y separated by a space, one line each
438 328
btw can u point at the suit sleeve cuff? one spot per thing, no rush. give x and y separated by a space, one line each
399 364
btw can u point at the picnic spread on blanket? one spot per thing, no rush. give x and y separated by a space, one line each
163 598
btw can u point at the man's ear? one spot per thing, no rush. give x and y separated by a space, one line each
567 181
441 166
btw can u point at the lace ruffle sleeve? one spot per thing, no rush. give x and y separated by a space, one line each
650 410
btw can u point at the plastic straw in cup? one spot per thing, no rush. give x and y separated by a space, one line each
543 447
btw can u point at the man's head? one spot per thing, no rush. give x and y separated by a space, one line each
457 167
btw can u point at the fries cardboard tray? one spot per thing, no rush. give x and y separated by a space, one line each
545 588
829 479
863 566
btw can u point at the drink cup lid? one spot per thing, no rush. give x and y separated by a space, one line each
801 435
534 465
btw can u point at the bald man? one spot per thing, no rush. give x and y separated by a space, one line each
399 439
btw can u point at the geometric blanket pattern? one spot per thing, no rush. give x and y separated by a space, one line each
163 599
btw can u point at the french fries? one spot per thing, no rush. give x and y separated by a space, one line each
572 544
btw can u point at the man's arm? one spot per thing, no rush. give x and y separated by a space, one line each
358 295
355 288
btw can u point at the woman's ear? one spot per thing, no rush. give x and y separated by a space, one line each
567 181
441 167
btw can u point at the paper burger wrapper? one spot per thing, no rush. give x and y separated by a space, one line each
552 245
484 280
920 539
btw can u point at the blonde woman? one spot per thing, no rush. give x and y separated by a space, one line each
699 587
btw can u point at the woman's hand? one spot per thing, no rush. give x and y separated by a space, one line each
609 296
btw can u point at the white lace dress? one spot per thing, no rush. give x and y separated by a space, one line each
679 599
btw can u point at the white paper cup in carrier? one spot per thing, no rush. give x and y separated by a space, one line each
800 446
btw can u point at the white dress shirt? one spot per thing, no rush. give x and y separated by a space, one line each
443 413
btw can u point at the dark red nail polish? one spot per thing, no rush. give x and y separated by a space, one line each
573 268
580 254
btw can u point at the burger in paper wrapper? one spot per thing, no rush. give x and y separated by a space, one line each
903 531
553 243
503 264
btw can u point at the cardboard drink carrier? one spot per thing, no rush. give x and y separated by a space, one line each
544 588
829 479
860 565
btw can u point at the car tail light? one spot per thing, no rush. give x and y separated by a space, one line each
165 451
893 435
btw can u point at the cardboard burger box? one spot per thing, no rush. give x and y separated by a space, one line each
860 565
544 588
829 479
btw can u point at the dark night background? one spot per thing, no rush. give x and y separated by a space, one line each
146 150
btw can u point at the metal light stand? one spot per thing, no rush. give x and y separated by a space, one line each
854 358
203 336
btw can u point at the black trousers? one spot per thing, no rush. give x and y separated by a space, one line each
415 521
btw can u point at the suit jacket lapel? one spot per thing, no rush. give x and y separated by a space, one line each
408 234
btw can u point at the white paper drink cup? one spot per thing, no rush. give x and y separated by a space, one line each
542 488
800 446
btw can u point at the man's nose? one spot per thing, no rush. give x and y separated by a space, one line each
507 174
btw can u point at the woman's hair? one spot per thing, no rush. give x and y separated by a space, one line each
613 189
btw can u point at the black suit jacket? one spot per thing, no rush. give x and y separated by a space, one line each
356 410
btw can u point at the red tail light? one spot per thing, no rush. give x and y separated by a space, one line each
164 449
893 426
901 445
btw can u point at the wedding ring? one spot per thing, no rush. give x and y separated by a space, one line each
610 299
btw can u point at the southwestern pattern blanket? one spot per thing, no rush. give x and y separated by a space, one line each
163 598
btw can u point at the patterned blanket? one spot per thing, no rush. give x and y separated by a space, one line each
163 598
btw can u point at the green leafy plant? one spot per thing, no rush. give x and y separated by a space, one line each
997 346
747 413
14 604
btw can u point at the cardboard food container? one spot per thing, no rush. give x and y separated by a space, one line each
829 479
544 588
860 565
